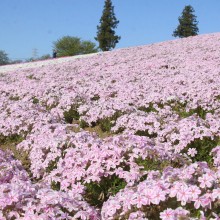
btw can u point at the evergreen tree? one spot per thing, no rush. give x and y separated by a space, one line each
187 23
70 46
106 35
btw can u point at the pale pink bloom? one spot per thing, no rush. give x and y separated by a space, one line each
158 195
12 197
113 207
216 194
205 181
183 195
64 184
194 192
206 200
139 200
127 202
81 215
175 188
168 214
197 202
192 152
78 187
180 212
29 208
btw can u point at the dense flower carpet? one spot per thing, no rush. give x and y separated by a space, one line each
129 134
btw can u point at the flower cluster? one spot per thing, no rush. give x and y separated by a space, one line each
22 199
195 187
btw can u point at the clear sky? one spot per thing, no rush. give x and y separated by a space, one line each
27 25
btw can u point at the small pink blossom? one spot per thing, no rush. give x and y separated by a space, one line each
168 214
205 181
192 152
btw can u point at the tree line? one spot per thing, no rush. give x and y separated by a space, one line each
107 37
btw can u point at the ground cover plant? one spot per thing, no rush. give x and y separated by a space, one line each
128 134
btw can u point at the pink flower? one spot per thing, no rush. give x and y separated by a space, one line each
175 188
113 207
158 195
180 212
12 197
139 200
197 203
205 181
194 192
216 194
168 214
204 201
183 195
192 152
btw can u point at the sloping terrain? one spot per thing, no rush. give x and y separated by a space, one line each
128 134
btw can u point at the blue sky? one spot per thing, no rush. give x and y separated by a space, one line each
35 24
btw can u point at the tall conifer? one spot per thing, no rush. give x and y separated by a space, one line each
106 36
187 23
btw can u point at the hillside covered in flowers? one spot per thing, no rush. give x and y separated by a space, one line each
129 134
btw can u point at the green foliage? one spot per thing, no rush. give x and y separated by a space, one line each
204 148
148 109
180 109
35 100
32 77
152 164
199 111
3 58
14 98
52 165
71 114
95 98
187 23
15 138
70 46
106 35
9 143
146 133
107 123
97 193
83 124
55 185
44 57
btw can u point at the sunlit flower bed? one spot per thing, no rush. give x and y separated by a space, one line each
128 134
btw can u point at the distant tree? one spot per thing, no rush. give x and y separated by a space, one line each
44 57
187 23
16 61
106 35
70 46
3 58
30 59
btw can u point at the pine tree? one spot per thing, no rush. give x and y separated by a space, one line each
187 23
106 36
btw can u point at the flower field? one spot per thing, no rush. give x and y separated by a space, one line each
129 134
